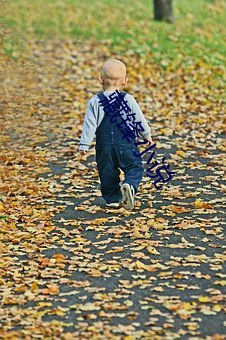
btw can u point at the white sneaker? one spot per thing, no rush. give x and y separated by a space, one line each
128 194
113 205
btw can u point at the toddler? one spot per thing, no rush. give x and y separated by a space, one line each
116 119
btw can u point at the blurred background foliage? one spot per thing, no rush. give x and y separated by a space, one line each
197 34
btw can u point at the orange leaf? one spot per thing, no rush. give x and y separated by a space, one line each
53 289
45 261
59 257
20 289
200 204
34 286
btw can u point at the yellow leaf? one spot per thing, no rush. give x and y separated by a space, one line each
44 304
192 326
161 226
12 225
78 239
200 204
181 153
100 221
158 289
140 265
187 306
67 336
1 208
222 283
153 251
38 315
217 308
204 299
115 250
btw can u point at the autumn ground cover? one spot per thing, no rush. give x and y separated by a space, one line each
70 269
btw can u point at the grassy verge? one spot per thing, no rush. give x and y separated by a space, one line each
197 33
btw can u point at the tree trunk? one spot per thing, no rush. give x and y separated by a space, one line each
163 10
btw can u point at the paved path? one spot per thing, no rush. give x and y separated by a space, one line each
153 273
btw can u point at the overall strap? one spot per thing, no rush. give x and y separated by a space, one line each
102 97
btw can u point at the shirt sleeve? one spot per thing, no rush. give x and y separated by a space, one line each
140 118
89 127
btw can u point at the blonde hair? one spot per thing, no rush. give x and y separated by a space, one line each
112 71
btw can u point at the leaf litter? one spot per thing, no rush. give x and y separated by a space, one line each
71 268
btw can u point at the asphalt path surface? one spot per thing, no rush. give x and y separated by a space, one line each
81 271
182 296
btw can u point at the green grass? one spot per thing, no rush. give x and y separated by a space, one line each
198 31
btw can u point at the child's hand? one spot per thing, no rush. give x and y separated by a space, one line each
149 141
83 152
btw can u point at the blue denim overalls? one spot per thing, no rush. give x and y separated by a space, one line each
113 152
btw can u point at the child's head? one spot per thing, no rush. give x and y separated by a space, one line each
113 75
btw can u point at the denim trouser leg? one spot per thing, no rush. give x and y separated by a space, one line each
131 165
110 158
107 166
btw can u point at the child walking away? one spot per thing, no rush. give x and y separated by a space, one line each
116 119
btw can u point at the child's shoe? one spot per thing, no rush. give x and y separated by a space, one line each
113 205
128 194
